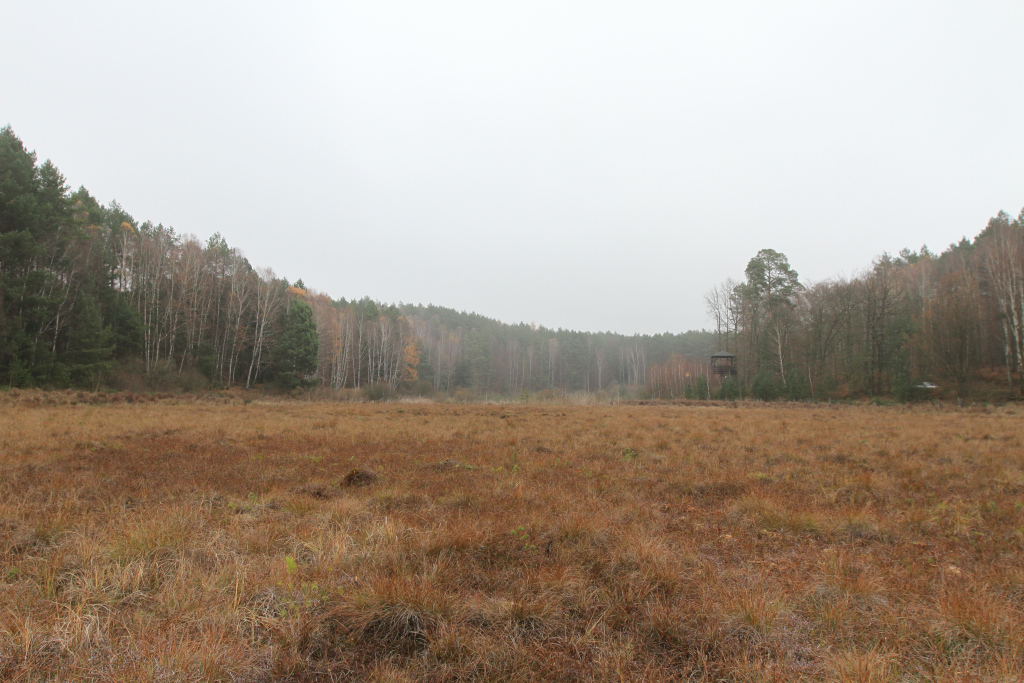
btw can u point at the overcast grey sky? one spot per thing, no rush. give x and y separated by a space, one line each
590 165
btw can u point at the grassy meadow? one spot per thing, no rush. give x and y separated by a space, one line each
180 540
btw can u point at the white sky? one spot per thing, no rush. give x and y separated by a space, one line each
590 165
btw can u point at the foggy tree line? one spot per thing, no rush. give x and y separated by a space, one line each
88 295
362 343
955 318
682 376
467 350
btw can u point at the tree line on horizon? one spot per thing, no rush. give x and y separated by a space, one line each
90 297
905 322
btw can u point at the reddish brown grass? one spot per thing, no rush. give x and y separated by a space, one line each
406 542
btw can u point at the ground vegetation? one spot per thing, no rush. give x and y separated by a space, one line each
224 539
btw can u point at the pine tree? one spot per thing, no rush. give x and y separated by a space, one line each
298 345
91 347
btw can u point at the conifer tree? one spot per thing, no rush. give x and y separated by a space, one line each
297 346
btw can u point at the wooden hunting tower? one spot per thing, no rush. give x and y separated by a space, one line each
723 363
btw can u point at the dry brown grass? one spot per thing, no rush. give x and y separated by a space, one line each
408 542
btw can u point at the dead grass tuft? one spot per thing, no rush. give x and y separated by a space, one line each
358 477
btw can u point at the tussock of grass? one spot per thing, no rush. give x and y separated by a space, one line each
358 477
176 540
